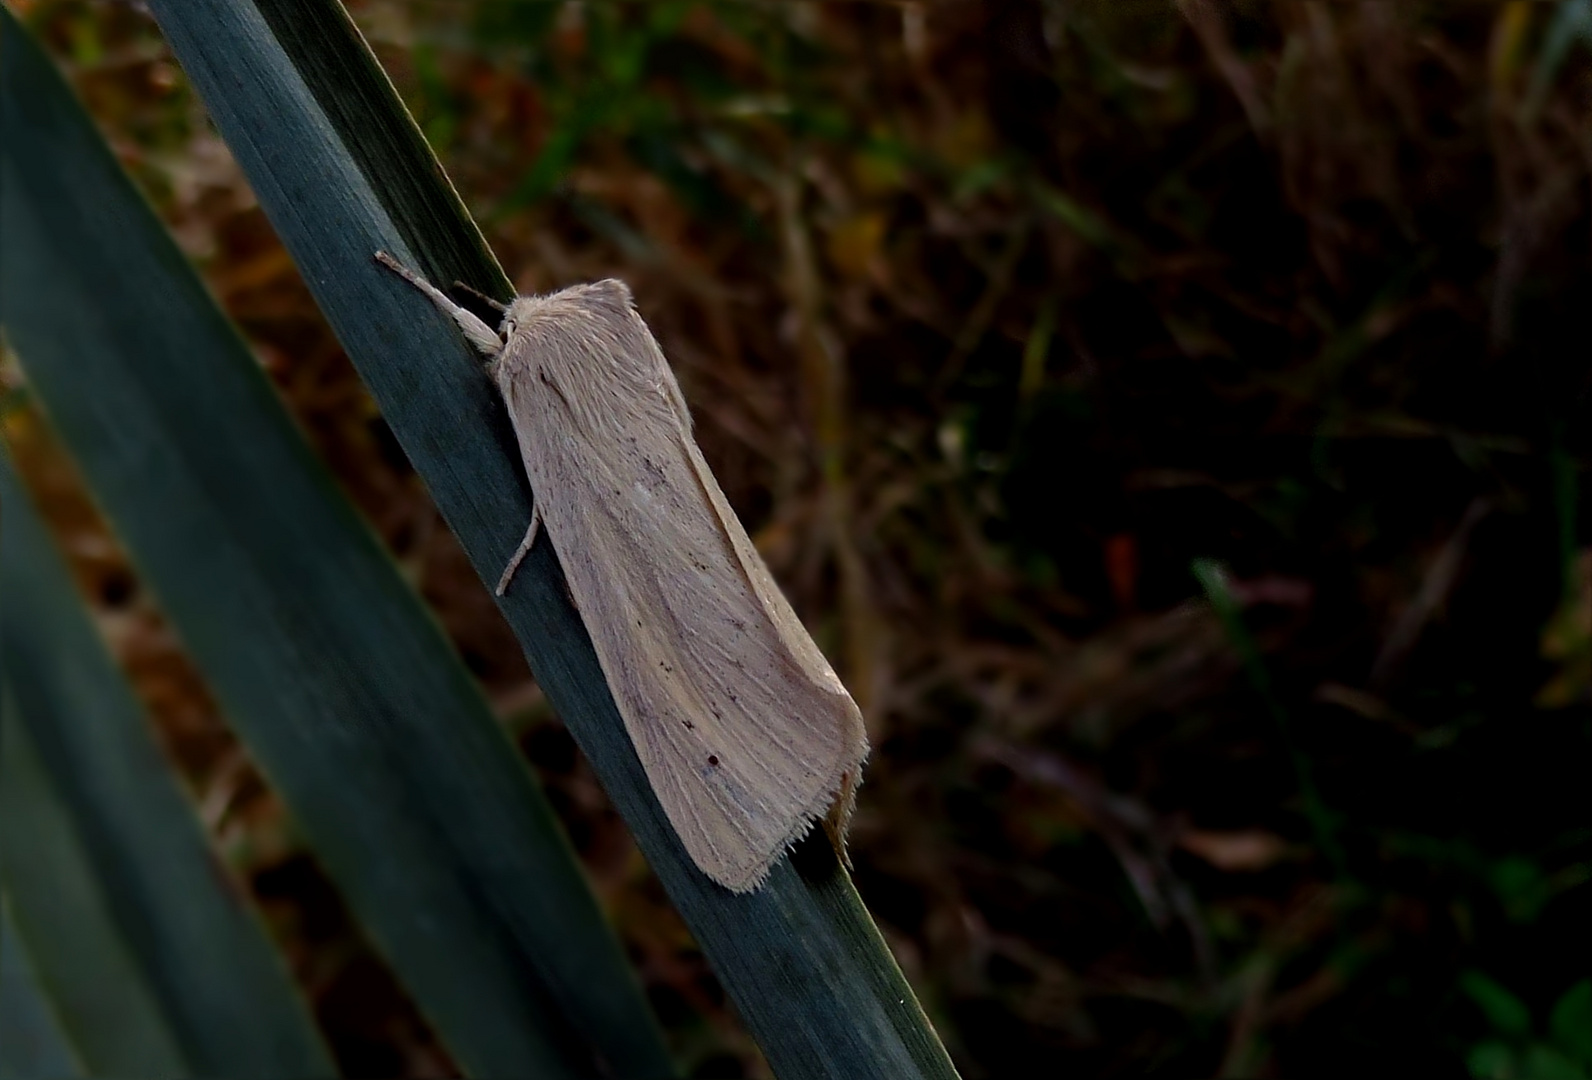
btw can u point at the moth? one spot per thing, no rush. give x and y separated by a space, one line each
746 734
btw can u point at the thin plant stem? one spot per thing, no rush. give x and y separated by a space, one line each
1212 578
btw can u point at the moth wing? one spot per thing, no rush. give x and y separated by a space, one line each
792 634
745 733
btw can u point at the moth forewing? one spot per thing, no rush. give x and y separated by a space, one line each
745 732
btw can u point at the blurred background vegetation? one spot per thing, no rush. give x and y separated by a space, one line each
1171 418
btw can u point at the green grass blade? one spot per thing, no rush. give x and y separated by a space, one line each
90 999
342 171
222 988
32 1041
331 670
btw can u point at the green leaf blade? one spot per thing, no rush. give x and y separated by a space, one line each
1570 1022
69 974
223 991
806 967
1506 1012
32 1042
333 673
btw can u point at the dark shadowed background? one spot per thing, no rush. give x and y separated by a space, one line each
1169 417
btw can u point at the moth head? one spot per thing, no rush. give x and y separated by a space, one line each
609 292
609 297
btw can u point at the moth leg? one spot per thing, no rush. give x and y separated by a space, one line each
525 549
483 337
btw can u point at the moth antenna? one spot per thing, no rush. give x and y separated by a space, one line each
482 336
501 309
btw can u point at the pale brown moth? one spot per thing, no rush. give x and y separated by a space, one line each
745 732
